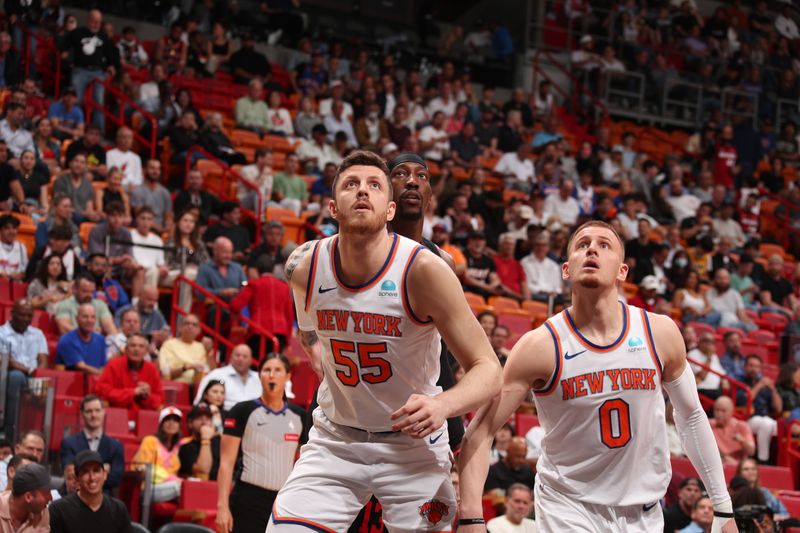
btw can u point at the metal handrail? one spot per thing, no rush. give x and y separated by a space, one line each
618 92
577 88
214 332
735 385
42 43
729 108
123 99
226 169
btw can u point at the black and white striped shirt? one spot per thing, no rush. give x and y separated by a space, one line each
269 440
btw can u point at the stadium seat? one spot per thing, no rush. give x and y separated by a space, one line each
117 421
147 422
761 336
776 477
501 302
516 324
701 328
525 422
304 384
277 213
67 383
66 420
175 392
534 307
474 299
721 331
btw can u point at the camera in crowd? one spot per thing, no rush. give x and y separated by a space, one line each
754 519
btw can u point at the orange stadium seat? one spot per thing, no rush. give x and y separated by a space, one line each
502 303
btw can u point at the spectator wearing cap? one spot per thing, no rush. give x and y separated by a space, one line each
251 110
481 275
647 297
92 438
543 275
89 509
66 117
13 463
337 121
258 178
77 185
24 507
517 169
290 188
195 197
317 152
27 349
17 138
678 515
89 144
389 151
247 64
184 358
199 453
269 301
272 247
130 381
161 451
230 227
13 255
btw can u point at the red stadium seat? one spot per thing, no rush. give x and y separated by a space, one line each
147 422
525 422
198 495
701 328
721 331
304 384
776 477
117 421
761 336
66 420
516 324
68 383
176 392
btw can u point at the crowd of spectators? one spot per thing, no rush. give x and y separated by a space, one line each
113 225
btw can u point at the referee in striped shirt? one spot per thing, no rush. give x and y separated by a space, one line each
266 433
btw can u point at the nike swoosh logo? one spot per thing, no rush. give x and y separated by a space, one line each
259 424
569 356
434 441
323 291
646 508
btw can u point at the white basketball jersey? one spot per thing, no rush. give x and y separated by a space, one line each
377 353
603 414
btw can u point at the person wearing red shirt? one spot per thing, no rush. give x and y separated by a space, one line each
270 302
131 382
510 272
725 159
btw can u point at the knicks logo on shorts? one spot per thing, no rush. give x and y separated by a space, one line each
433 511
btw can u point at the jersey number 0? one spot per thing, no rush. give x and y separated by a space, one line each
615 435
362 361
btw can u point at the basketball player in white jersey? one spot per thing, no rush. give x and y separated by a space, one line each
370 307
597 370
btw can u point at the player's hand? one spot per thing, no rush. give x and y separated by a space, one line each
420 416
224 520
724 525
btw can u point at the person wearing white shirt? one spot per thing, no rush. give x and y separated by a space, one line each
563 205
278 117
726 226
337 121
126 159
241 381
785 24
151 259
13 254
337 92
316 153
444 102
260 175
433 140
612 169
707 382
516 168
519 502
543 274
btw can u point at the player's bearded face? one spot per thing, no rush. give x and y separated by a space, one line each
362 205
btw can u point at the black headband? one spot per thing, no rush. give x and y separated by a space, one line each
407 157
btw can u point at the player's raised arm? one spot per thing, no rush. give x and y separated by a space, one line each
691 421
530 363
434 293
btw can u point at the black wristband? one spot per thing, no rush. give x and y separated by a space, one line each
721 514
470 521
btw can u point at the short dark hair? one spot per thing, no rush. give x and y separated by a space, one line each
729 334
17 459
84 276
275 355
265 264
88 399
228 207
114 207
8 220
33 432
94 255
61 232
365 158
13 106
261 152
94 127
145 209
753 356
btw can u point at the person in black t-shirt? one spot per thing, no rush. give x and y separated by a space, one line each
231 215
246 63
481 276
89 510
200 456
93 57
89 144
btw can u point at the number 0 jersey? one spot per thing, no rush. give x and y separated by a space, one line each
376 351
603 414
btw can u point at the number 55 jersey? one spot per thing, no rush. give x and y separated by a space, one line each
603 414
376 351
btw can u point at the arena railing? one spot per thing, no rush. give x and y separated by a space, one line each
576 93
734 386
47 59
213 331
119 119
224 192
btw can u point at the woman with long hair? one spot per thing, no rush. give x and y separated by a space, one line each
267 430
693 303
46 147
214 396
219 48
161 451
788 387
30 189
748 469
185 253
50 285
114 192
